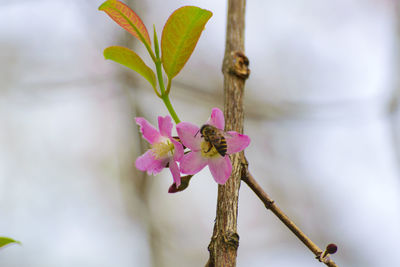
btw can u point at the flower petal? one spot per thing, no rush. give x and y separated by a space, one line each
148 131
217 119
165 125
189 135
178 148
157 166
144 161
236 142
221 168
147 162
192 163
176 174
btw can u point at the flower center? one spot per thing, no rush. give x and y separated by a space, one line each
163 149
208 150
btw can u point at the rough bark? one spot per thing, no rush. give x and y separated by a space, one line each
225 240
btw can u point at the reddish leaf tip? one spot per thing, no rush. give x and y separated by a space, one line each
124 16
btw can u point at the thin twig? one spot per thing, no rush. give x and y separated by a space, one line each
269 203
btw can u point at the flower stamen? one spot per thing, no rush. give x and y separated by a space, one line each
163 149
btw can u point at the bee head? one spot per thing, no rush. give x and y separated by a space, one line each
203 128
206 129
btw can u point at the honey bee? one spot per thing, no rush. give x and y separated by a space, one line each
215 137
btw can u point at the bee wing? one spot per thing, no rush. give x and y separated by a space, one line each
227 134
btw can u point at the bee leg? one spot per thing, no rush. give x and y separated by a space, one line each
209 147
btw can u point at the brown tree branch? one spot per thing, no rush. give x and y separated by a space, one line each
225 240
322 256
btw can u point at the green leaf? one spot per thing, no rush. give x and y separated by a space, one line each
130 59
180 35
6 240
127 19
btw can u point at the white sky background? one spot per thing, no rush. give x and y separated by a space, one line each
324 144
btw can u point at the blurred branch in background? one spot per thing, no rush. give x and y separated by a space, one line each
393 107
143 184
140 181
260 110
138 184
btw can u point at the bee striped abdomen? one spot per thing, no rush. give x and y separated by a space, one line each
221 147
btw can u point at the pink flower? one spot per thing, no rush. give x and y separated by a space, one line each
164 149
201 154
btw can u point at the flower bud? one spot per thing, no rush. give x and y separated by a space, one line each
331 248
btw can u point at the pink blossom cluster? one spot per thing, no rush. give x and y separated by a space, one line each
166 151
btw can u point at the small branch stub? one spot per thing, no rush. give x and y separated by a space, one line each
240 65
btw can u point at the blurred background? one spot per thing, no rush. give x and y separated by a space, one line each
322 109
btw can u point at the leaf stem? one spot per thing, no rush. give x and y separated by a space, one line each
160 76
157 93
171 110
168 87
164 93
